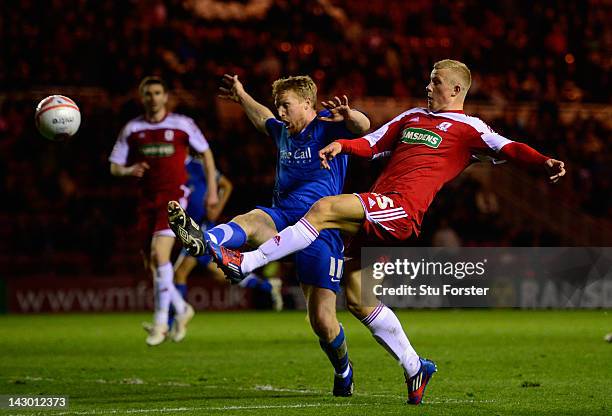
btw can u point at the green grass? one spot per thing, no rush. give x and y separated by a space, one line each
490 362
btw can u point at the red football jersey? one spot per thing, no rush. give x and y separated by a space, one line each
163 145
427 150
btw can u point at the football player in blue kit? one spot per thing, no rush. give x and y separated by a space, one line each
299 134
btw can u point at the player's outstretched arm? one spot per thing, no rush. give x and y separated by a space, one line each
232 89
527 156
356 122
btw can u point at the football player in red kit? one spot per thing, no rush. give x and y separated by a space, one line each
427 148
153 147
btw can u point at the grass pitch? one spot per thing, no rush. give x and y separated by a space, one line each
490 362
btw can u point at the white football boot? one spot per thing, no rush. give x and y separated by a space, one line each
179 329
157 334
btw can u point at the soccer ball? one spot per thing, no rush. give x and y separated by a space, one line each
57 117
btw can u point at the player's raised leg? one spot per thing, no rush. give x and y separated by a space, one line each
388 332
253 227
343 212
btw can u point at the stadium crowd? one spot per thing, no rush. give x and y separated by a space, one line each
518 50
65 204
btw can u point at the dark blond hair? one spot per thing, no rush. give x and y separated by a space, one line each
302 85
459 69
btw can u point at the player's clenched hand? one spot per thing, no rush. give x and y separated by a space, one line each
138 169
555 169
339 109
230 88
328 153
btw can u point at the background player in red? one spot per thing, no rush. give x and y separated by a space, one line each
428 147
153 148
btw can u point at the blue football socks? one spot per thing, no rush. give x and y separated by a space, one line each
252 281
337 352
229 235
182 289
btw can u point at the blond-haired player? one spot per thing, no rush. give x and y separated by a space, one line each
427 147
299 134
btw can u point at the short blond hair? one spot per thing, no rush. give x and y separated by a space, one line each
302 85
459 69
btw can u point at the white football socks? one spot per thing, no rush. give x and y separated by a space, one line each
293 238
388 331
166 293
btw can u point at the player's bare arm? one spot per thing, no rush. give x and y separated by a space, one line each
224 190
232 89
137 169
356 122
212 196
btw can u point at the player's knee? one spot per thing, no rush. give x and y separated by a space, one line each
323 323
320 212
251 223
154 259
244 221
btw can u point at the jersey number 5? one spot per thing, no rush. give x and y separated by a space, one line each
384 201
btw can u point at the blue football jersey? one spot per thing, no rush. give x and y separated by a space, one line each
300 181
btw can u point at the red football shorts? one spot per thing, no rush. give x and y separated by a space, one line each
153 214
386 217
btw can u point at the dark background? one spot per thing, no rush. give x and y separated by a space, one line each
541 75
